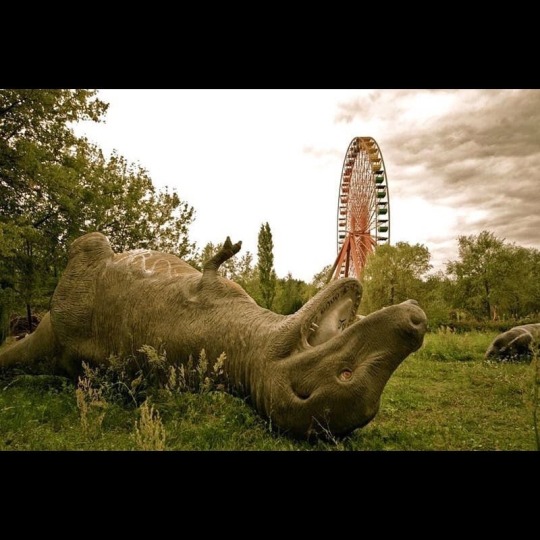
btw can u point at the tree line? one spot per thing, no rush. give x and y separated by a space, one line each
55 186
492 283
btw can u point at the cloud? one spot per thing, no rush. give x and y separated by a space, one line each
377 104
477 151
323 152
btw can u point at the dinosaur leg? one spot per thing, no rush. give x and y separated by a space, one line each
226 252
31 349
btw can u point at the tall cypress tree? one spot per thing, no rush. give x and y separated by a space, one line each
265 265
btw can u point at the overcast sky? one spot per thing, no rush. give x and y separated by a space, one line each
457 162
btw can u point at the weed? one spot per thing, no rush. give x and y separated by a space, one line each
149 430
90 402
324 433
195 377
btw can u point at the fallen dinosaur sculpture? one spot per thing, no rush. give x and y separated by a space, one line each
321 369
514 344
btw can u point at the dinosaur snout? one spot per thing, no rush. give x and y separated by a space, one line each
415 321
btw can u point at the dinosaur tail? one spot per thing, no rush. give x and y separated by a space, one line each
35 347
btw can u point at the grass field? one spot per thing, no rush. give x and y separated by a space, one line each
443 397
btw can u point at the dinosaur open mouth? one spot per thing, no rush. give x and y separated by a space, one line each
333 316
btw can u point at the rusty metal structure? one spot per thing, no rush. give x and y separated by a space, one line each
363 214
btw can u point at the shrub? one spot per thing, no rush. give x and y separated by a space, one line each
133 379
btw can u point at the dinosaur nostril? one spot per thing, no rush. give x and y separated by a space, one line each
345 375
417 318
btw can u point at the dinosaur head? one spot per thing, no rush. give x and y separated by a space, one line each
329 367
512 344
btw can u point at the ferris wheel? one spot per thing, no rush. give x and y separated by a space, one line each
363 217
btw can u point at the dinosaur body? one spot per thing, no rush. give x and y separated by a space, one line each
320 368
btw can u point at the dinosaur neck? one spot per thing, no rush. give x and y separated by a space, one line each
245 340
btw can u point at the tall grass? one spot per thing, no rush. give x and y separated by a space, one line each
149 430
90 402
444 345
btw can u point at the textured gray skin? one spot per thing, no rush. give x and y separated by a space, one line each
515 343
321 369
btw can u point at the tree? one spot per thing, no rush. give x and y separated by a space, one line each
394 274
265 266
121 202
477 271
37 181
436 299
291 294
519 288
34 138
495 279
320 279
55 186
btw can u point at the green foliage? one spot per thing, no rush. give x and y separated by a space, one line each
494 279
491 281
477 272
55 186
452 405
122 203
37 175
320 279
8 303
291 294
393 274
265 266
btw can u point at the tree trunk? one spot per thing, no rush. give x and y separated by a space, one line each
29 318
488 303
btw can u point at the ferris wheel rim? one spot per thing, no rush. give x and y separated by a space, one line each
373 205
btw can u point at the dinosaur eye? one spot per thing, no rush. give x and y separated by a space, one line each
345 375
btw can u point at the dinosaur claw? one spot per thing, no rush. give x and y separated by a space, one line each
236 248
